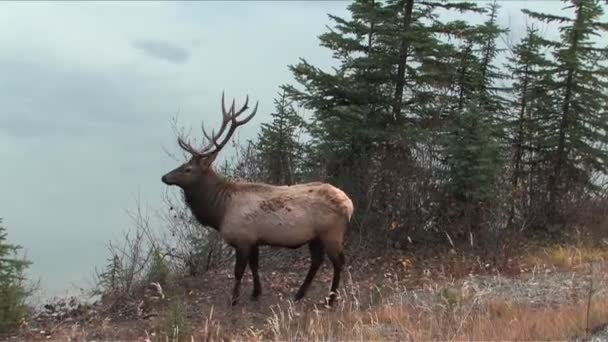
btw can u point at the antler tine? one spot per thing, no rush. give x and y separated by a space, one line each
207 136
245 120
226 118
230 117
224 113
187 147
245 106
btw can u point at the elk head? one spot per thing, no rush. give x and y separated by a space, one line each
201 159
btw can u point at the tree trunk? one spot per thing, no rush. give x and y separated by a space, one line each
405 44
462 76
553 186
519 143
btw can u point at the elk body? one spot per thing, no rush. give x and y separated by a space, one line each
248 215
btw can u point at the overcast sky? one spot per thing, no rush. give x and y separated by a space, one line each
88 90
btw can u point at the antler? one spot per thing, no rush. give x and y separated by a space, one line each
228 117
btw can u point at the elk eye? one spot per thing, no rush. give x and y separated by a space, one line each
188 169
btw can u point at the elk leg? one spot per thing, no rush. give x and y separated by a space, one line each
253 265
337 259
242 255
316 259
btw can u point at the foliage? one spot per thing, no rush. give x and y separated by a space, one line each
192 249
379 112
13 291
158 270
384 120
280 153
473 159
528 121
578 134
174 323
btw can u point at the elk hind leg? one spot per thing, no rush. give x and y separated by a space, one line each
335 253
316 259
253 265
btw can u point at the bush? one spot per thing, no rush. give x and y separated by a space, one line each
158 271
13 292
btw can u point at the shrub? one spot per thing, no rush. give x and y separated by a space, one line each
13 292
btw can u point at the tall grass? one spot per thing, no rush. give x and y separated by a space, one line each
435 313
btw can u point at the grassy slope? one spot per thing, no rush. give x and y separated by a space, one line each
441 304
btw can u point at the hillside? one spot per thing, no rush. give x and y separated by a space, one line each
538 292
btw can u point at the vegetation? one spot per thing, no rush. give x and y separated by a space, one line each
419 109
13 291
465 165
280 152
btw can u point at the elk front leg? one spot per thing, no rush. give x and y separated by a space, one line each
242 255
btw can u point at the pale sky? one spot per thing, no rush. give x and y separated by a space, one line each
88 90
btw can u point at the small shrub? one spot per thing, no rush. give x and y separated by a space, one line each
175 324
158 271
13 292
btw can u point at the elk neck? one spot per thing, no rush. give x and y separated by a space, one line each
208 197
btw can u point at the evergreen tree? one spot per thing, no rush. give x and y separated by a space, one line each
473 73
532 110
279 150
471 148
371 100
488 90
473 159
579 132
12 290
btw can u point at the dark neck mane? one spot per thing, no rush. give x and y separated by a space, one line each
207 199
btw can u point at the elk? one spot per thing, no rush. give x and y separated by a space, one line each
248 215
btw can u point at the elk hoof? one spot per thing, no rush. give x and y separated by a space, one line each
255 295
330 299
298 296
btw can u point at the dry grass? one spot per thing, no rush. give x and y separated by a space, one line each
567 257
446 314
383 309
455 317
495 320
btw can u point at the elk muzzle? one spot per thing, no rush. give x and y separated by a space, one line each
167 179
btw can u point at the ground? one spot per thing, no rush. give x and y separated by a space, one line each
557 291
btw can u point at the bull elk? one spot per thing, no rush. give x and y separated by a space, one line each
248 215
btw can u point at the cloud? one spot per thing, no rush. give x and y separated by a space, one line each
162 50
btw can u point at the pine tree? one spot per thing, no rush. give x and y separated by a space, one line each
489 91
473 73
278 147
473 159
580 129
472 136
532 110
373 96
376 114
12 290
